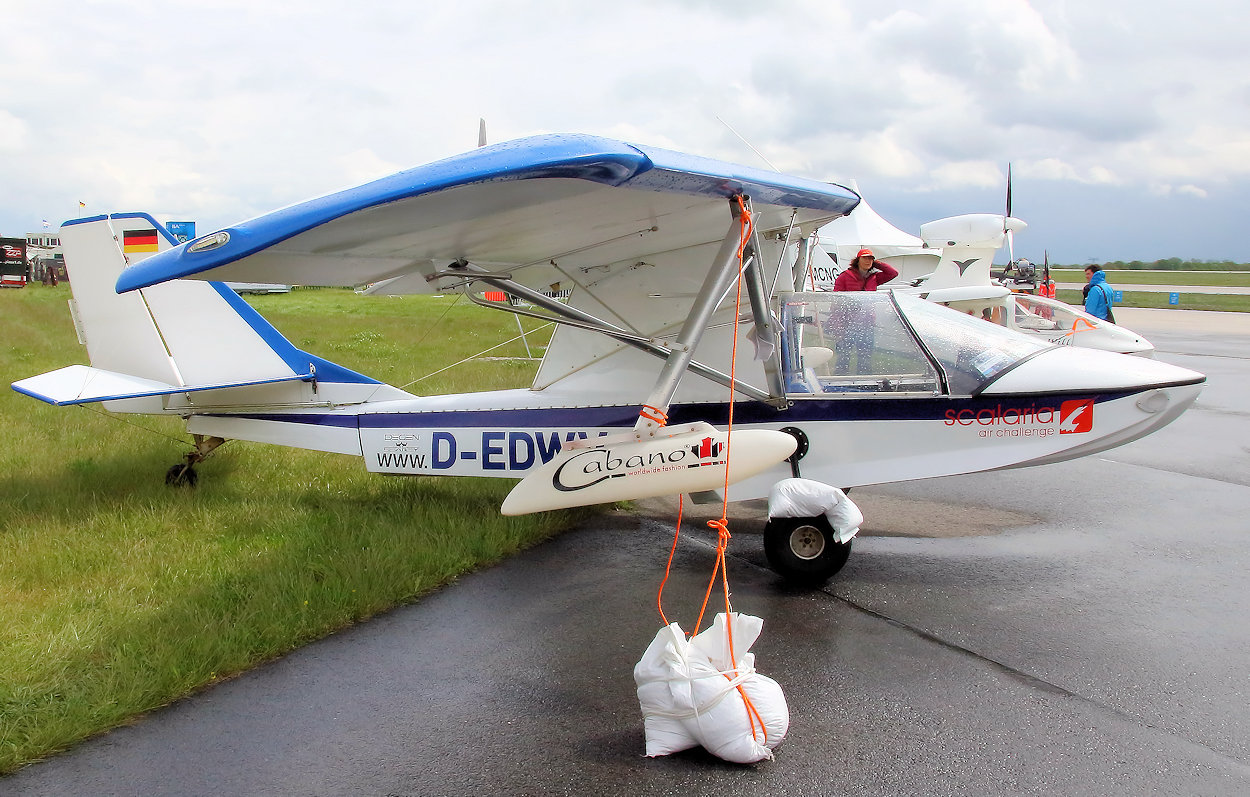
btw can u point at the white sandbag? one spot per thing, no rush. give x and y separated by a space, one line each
803 498
845 517
692 692
665 700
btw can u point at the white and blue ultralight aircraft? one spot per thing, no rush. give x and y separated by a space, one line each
633 394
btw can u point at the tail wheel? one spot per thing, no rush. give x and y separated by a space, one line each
181 475
803 550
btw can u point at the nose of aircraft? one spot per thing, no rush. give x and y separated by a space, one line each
1130 342
1128 397
1074 369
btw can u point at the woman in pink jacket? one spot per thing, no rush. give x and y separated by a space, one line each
863 274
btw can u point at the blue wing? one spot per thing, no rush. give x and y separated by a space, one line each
584 199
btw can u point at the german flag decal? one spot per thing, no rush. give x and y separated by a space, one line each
138 241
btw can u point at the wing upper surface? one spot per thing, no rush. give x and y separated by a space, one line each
582 199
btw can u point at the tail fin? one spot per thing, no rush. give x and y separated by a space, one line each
181 346
968 245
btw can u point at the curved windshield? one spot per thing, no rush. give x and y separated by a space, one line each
851 343
971 350
1034 312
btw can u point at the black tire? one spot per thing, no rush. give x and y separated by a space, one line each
803 550
181 475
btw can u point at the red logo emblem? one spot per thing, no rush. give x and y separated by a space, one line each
1076 416
706 449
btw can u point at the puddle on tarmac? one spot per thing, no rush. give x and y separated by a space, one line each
884 516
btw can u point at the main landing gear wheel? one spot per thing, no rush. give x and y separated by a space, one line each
803 550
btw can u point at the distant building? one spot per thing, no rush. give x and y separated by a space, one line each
43 252
43 240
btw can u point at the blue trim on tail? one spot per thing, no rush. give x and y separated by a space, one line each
133 215
301 362
166 391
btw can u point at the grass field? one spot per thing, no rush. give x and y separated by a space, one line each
118 594
1125 279
1189 301
1130 277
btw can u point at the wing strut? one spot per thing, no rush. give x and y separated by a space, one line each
651 460
715 285
571 316
765 326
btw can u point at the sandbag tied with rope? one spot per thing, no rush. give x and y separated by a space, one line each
705 692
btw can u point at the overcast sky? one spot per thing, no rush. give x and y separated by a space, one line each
1127 123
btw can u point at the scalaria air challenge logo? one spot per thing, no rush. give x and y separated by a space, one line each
1071 417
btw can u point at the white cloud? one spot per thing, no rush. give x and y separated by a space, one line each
13 131
958 174
363 165
221 109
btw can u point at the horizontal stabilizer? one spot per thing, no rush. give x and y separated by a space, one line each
81 384
693 461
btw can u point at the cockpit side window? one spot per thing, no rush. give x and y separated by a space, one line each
1054 315
850 343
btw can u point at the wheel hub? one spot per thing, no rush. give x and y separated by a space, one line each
807 542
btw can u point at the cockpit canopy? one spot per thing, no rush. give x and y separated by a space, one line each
860 342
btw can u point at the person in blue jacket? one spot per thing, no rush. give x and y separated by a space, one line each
1098 297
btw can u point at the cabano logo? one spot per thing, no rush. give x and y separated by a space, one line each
587 468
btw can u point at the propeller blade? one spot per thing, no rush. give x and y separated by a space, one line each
481 134
1008 190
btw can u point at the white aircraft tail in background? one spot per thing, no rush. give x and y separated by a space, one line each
968 244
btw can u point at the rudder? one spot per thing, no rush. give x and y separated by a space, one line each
186 334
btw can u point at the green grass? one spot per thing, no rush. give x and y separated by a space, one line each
1189 301
1165 264
118 594
399 339
1156 277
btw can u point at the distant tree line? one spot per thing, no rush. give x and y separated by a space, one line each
1169 264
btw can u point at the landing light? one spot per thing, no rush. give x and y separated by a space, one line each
1153 402
208 242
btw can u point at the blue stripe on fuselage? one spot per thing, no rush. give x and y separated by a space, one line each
802 410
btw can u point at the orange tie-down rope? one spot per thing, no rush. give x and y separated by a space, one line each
721 524
654 414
